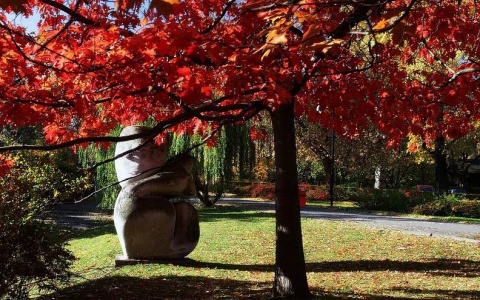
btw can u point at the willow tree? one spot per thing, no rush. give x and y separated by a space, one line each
210 168
220 159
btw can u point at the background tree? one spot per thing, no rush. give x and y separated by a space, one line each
210 168
104 175
358 158
33 253
455 155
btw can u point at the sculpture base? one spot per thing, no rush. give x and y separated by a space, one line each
121 260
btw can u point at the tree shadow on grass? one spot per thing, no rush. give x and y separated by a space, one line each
201 288
168 287
180 287
440 267
193 287
440 294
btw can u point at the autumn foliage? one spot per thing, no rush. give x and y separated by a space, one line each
406 66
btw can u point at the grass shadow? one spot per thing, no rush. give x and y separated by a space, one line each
440 267
193 288
168 287
441 294
182 287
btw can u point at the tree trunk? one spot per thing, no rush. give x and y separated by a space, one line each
378 174
441 168
290 272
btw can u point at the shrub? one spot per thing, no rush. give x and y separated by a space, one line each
446 207
318 193
32 254
239 188
467 209
388 200
434 208
342 193
32 248
417 198
263 190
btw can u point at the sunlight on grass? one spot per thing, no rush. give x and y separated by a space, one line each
336 204
235 256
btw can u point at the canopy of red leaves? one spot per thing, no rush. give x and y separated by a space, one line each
406 66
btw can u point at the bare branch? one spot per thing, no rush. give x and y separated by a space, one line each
219 18
152 132
59 103
75 15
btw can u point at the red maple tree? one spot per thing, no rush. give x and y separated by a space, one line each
406 66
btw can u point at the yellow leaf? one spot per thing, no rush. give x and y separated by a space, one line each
387 19
279 39
272 42
325 46
266 53
382 24
311 31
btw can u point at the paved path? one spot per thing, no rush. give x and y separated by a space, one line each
464 232
85 216
458 231
80 216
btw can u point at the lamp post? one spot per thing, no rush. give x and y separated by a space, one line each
332 169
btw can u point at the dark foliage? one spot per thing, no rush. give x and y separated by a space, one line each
389 200
33 254
460 208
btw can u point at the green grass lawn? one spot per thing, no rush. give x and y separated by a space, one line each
235 256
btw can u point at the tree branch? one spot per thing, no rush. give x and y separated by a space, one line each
219 18
75 15
152 132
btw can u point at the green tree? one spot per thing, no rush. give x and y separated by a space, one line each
210 168
33 253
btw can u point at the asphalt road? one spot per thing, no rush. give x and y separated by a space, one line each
457 231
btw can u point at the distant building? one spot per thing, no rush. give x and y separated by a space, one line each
471 175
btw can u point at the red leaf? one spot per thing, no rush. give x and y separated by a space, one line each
206 90
5 165
184 71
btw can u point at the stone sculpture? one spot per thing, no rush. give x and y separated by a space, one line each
151 226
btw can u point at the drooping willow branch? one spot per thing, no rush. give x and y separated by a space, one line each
225 122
